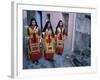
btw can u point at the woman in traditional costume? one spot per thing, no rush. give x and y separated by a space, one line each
34 51
59 38
49 48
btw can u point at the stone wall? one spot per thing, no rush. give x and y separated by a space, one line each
83 31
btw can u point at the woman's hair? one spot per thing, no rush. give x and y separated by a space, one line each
33 19
46 26
58 25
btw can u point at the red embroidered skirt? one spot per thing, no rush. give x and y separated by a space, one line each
48 56
59 50
35 56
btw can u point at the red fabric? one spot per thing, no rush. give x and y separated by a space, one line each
34 39
59 50
49 39
35 48
48 56
60 37
34 36
35 56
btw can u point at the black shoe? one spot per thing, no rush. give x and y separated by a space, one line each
59 53
51 60
33 62
37 61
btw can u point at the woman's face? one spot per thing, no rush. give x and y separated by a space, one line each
48 25
33 23
61 23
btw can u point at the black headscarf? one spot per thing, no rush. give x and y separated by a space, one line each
33 19
58 25
46 26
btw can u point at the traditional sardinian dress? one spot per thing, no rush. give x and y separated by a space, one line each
59 40
49 48
34 43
